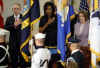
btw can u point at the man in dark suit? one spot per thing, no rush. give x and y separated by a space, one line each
76 54
13 24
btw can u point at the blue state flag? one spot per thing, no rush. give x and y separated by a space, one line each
64 33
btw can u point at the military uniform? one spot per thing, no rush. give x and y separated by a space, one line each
41 56
94 33
76 55
4 39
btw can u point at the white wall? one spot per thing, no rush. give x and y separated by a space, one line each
8 7
8 10
76 4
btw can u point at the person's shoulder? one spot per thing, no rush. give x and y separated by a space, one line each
47 50
78 53
71 59
77 24
88 22
9 17
43 51
43 17
21 15
78 57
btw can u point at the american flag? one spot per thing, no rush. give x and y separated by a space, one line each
94 5
84 6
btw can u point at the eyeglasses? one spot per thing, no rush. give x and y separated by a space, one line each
16 8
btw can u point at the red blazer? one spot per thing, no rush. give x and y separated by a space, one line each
1 18
1 5
1 22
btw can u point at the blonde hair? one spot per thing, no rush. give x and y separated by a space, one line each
71 64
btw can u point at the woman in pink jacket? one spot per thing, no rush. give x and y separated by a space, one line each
81 32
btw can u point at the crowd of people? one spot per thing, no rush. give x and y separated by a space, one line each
45 42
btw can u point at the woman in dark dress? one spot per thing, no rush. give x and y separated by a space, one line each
48 25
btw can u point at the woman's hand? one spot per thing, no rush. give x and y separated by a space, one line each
50 20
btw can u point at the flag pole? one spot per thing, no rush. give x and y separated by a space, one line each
31 39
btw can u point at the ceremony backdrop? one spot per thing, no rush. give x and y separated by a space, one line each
8 6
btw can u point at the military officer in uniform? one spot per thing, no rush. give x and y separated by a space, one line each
41 56
76 54
4 39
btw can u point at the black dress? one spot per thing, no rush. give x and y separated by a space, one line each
50 31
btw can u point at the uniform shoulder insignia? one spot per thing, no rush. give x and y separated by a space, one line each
71 59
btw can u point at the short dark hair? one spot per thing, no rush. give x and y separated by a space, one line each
49 4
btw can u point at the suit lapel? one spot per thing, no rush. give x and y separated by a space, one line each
12 19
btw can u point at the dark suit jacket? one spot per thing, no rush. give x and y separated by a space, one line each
79 58
14 32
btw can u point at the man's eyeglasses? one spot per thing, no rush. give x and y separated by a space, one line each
16 8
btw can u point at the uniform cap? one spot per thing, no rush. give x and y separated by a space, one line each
74 40
39 36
